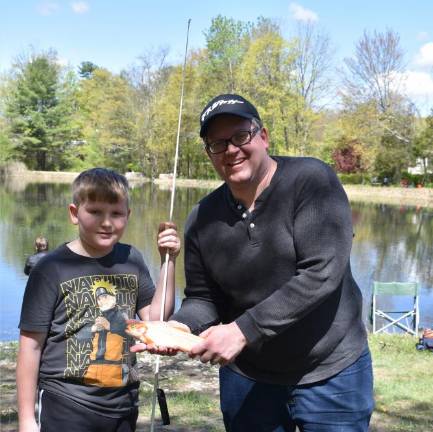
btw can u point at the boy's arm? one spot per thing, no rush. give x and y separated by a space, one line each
29 355
168 240
152 312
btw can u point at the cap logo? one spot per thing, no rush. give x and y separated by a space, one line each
219 103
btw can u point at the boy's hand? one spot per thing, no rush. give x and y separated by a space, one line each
153 349
168 240
29 425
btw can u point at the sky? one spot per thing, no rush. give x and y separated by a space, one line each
113 33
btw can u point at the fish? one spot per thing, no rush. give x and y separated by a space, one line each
162 334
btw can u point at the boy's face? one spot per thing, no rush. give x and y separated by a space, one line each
100 224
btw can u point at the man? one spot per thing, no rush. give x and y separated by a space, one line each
269 284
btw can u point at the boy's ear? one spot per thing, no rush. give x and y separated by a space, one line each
73 213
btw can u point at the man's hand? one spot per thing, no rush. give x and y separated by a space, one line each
222 344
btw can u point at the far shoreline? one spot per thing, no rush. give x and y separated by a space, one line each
416 197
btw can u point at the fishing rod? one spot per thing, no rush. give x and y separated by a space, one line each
157 392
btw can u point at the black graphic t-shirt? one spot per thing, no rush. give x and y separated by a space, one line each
82 304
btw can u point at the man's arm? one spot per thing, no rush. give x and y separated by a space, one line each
29 355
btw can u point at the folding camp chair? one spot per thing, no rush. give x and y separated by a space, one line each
396 289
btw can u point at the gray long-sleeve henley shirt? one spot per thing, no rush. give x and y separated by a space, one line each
282 272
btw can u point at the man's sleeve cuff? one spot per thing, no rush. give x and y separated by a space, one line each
249 328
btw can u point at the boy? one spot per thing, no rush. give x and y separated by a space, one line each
41 248
73 343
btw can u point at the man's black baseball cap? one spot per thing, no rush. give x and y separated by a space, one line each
227 104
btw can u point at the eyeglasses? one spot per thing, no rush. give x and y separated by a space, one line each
238 139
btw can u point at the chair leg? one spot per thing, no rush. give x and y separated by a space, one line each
395 322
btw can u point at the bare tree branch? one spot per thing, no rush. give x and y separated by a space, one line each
313 62
375 70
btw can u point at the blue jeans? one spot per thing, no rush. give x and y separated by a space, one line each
342 403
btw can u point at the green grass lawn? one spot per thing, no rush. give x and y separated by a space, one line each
403 382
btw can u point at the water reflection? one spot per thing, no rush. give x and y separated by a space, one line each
391 243
394 243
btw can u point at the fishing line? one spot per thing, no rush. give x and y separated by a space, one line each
156 390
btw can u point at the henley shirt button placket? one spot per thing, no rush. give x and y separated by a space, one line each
253 234
244 215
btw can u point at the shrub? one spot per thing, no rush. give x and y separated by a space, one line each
355 178
416 179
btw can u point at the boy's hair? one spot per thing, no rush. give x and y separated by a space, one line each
100 184
41 244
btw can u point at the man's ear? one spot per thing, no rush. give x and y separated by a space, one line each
73 213
209 154
264 135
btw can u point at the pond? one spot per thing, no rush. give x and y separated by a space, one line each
391 243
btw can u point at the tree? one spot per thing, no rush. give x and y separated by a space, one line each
226 42
265 76
374 73
6 148
107 120
39 111
147 78
192 158
373 76
86 69
423 145
312 62
346 158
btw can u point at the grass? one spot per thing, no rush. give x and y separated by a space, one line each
403 385
189 411
8 351
403 390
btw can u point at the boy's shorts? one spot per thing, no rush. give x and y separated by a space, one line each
57 413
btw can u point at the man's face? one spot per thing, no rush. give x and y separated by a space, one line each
238 165
106 302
